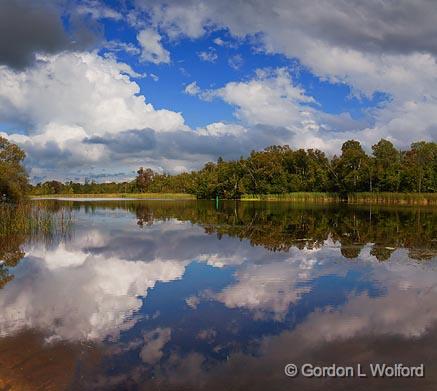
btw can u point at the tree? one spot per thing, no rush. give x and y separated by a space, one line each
387 166
264 171
353 168
420 167
144 179
278 169
13 176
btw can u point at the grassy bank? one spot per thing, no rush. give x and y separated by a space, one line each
316 197
146 196
352 198
293 197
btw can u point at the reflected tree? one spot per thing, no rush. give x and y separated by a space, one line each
10 254
280 226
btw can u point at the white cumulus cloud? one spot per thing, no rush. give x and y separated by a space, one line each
152 49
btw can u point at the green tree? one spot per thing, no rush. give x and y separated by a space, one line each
420 167
386 166
264 172
207 182
13 176
353 168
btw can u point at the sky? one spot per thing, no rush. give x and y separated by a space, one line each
96 89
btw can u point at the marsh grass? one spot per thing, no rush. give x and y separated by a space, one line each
295 197
147 196
316 197
393 198
351 198
34 219
26 223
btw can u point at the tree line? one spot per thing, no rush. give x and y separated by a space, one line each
280 169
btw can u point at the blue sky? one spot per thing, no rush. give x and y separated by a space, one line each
188 66
98 88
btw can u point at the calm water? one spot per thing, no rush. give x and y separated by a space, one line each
184 296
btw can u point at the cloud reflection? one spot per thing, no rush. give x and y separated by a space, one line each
275 307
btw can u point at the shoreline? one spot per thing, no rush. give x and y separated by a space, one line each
115 196
422 199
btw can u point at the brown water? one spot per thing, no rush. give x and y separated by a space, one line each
162 295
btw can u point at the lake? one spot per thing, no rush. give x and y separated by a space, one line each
190 295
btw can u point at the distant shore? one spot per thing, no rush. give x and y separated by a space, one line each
146 196
353 198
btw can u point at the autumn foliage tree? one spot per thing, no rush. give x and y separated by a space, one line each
144 179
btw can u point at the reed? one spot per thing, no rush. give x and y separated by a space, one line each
147 196
393 198
351 198
295 197
34 219
316 197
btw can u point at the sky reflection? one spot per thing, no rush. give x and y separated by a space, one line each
169 302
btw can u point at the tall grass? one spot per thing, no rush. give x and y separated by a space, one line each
295 197
34 219
393 198
316 197
352 198
149 196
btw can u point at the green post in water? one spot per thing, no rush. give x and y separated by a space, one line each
216 201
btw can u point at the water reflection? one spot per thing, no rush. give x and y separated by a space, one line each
10 254
152 295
